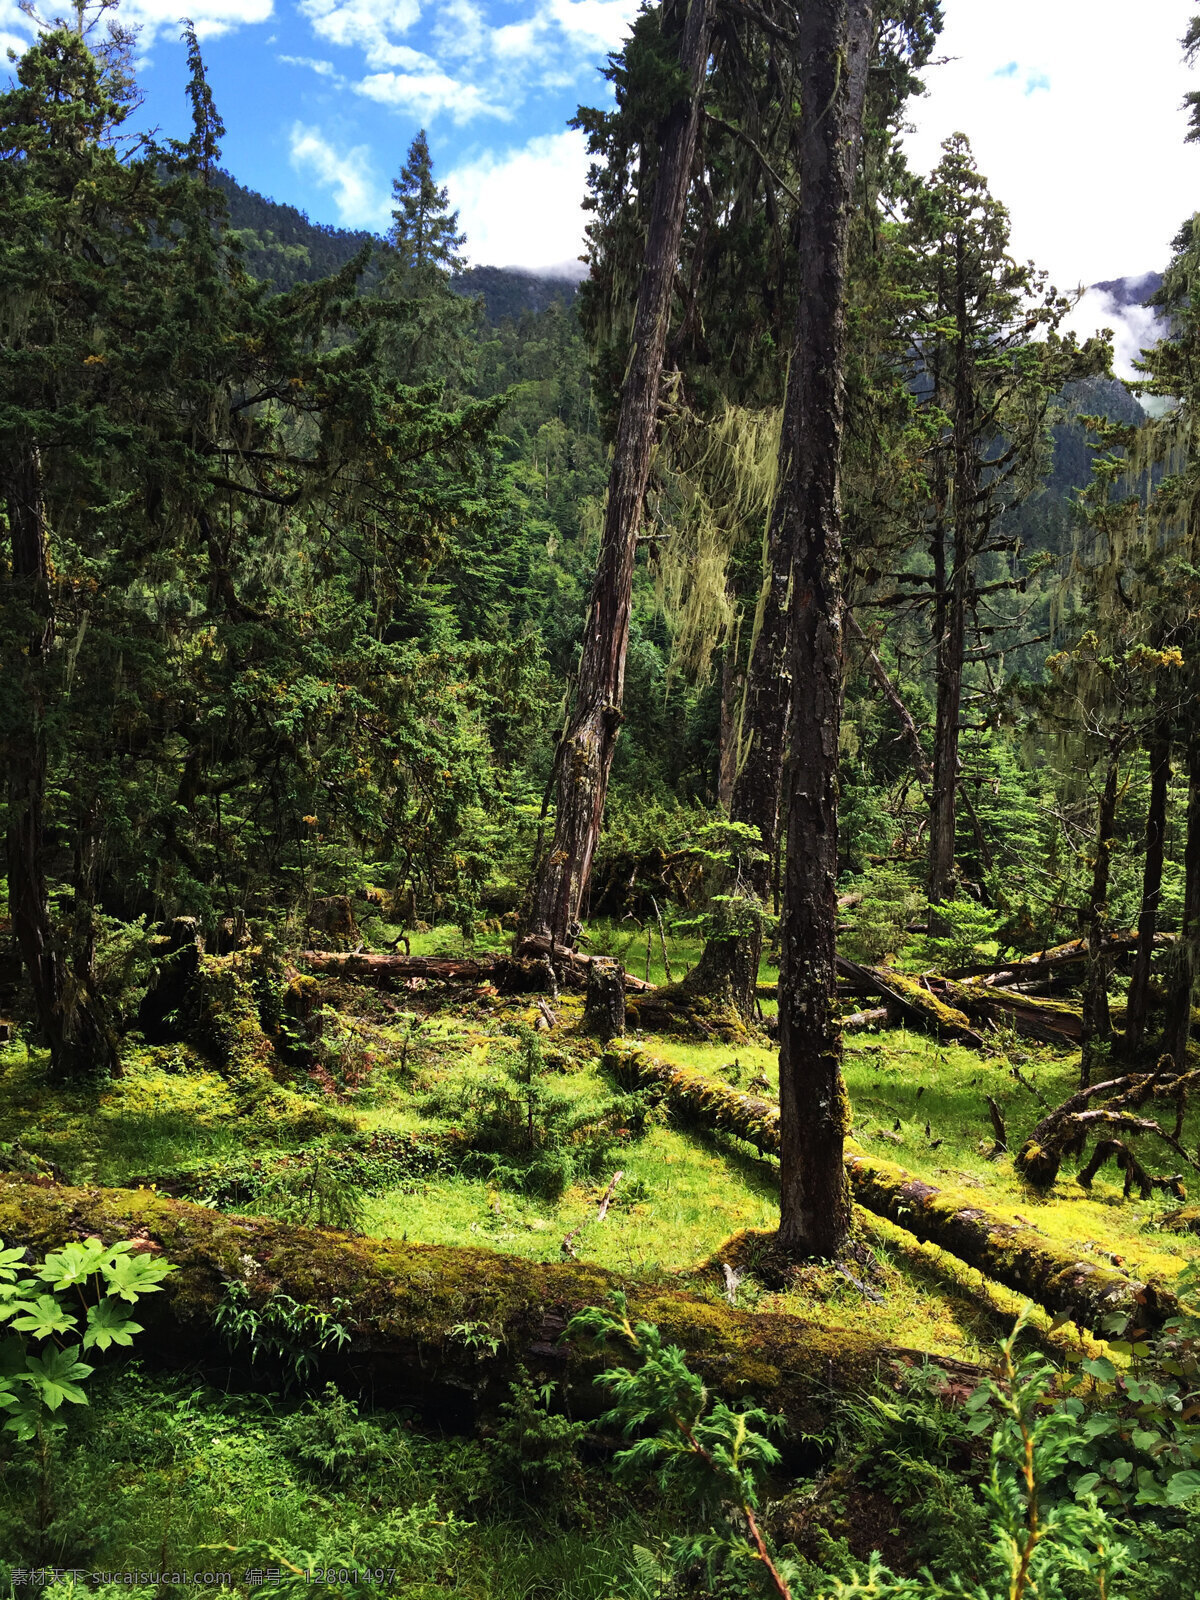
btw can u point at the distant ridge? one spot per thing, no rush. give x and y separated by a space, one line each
282 246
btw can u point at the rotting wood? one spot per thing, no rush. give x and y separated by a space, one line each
405 1307
914 1002
1016 1256
1073 953
524 971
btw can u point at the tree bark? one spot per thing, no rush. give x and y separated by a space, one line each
1178 1028
1021 1258
585 756
814 1213
1097 1024
728 967
1138 1005
69 1016
950 614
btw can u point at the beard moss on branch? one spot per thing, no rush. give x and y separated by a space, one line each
443 1328
1018 1257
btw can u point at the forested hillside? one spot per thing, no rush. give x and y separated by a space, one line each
601 900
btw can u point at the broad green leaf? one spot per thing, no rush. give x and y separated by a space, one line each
56 1376
10 1261
1182 1486
132 1275
73 1264
43 1317
1086 1484
1102 1368
108 1324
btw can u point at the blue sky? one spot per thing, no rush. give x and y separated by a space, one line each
1073 108
321 98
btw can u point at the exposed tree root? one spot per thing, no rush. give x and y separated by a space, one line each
1018 1257
438 1327
1065 1130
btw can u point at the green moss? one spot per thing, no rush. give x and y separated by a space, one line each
409 1301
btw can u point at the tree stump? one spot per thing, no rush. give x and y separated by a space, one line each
604 1009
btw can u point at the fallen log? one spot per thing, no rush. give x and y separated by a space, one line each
1018 1257
1042 962
442 1328
1065 1129
1050 1021
525 971
876 1017
913 1001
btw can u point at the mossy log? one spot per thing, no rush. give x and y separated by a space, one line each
1050 1021
1045 962
1021 1258
948 1008
438 1327
524 972
912 999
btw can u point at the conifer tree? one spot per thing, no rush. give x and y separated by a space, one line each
585 754
424 231
989 363
160 452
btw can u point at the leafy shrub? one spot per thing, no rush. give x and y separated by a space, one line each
880 920
536 1450
529 1131
331 1441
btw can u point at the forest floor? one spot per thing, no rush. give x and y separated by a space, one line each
167 1473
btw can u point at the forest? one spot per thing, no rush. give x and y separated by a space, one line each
601 907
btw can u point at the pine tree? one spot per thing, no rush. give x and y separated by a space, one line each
216 507
424 231
988 387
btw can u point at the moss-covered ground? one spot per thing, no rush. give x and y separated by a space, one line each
190 1467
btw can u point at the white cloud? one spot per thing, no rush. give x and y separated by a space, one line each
460 29
592 24
1135 327
522 208
1074 115
425 94
360 199
211 17
323 69
369 24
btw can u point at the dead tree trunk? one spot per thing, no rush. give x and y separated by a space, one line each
1183 978
585 755
408 1303
1138 1005
814 1214
1097 1024
69 1016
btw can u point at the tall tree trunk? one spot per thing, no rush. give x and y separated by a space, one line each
1097 1025
585 757
1183 980
733 683
951 618
68 1015
814 1212
1156 829
728 967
